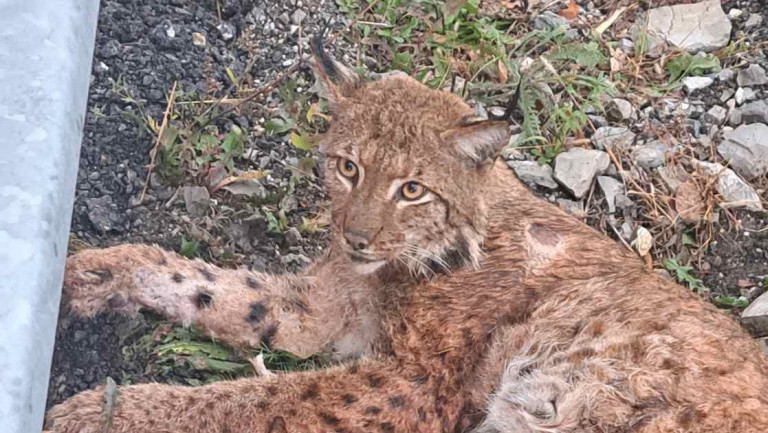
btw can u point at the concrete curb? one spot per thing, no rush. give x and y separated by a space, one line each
46 51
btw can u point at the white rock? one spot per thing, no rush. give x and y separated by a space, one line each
693 27
619 110
746 150
696 83
532 172
758 307
716 115
611 136
577 168
739 96
734 191
735 13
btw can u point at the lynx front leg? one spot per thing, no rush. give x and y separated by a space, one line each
299 314
366 398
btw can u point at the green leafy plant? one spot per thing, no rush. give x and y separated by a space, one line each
730 302
189 248
275 223
683 274
587 55
686 65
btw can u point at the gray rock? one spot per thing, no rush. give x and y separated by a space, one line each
746 150
735 118
577 168
611 188
754 20
196 200
755 112
532 172
549 20
716 115
734 191
726 95
759 307
101 215
226 30
754 75
649 156
247 187
292 236
692 27
749 94
575 208
597 121
696 83
613 137
726 74
619 110
298 16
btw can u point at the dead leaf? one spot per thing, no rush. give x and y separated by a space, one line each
688 202
745 283
570 12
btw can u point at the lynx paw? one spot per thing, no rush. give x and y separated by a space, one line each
98 280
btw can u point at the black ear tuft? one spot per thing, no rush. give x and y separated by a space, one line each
333 80
324 62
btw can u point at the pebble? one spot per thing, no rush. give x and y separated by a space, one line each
532 172
754 20
196 199
198 39
619 110
696 83
611 136
577 168
754 75
649 156
746 150
226 30
716 115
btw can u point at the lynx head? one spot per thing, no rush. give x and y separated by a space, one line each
407 169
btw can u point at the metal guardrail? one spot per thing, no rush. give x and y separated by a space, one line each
46 51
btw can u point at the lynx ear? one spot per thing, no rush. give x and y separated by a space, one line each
480 142
333 80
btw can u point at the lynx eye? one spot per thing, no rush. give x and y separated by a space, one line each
413 191
348 169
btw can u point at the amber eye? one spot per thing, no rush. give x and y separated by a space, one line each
413 191
348 169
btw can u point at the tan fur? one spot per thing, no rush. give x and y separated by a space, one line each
558 330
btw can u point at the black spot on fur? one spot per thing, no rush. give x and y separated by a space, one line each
208 275
271 390
177 277
420 379
397 400
257 313
162 261
103 274
252 283
268 335
204 300
422 414
329 419
277 425
387 427
310 392
372 410
262 404
348 399
375 381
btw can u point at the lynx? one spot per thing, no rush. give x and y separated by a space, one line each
452 298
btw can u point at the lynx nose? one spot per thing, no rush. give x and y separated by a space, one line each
358 240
